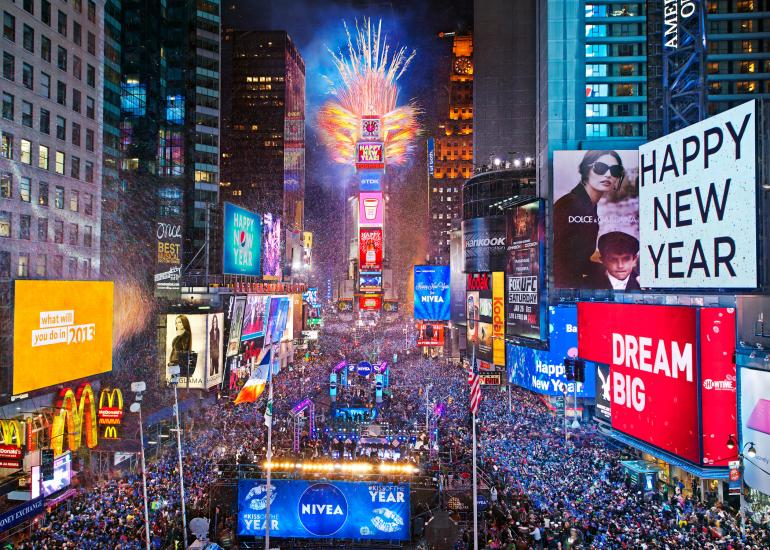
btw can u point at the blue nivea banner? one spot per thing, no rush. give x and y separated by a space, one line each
334 509
543 371
431 292
242 241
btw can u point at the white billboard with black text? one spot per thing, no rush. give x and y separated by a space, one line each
698 204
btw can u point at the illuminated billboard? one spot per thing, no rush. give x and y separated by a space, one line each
169 254
596 208
242 246
484 241
279 320
370 155
370 281
370 180
370 303
755 426
237 307
194 343
62 331
370 249
371 127
698 205
370 208
430 334
524 307
651 351
271 247
321 509
431 292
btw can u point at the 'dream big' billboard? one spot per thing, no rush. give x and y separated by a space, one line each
242 246
313 509
431 292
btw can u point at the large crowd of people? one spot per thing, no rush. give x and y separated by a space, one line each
545 491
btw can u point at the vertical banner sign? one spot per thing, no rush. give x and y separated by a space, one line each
333 386
523 307
431 292
697 193
169 259
370 249
651 351
498 318
718 383
431 156
242 246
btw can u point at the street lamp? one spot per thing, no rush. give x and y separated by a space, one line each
136 406
173 370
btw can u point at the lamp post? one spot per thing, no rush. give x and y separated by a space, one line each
174 372
427 408
750 453
136 406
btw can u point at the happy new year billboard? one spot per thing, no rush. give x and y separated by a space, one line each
242 246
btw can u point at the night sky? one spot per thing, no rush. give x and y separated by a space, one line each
314 26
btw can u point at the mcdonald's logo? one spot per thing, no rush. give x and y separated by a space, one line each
110 432
76 412
112 413
11 433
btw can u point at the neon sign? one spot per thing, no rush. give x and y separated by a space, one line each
76 412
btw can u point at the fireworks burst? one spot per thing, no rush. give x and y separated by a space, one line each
368 87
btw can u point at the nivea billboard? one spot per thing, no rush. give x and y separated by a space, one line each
431 292
543 371
313 509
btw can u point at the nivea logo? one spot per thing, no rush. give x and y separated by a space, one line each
323 509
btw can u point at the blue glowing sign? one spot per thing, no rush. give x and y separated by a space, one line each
370 180
242 246
431 156
338 509
431 292
543 371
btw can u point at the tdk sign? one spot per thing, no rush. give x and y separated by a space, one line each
323 509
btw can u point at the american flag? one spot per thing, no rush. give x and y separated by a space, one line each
475 383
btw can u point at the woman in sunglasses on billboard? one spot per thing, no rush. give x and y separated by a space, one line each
575 217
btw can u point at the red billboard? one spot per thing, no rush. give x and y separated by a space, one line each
651 351
430 334
370 303
718 384
370 249
370 155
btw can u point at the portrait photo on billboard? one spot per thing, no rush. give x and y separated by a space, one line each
216 360
755 426
235 315
479 337
242 241
523 275
187 341
603 412
271 247
596 219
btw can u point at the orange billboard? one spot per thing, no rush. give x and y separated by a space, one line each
62 331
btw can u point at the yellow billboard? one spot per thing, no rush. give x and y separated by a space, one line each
62 331
498 318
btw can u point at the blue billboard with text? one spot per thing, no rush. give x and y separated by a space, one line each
431 292
543 371
334 509
242 246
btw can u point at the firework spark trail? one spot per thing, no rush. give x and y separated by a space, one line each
368 87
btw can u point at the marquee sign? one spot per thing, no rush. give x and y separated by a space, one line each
110 413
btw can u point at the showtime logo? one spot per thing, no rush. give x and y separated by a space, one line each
719 385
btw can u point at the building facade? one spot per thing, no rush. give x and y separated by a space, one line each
452 149
504 82
51 139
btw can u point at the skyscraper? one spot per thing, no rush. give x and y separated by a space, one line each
169 133
453 149
263 153
51 141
